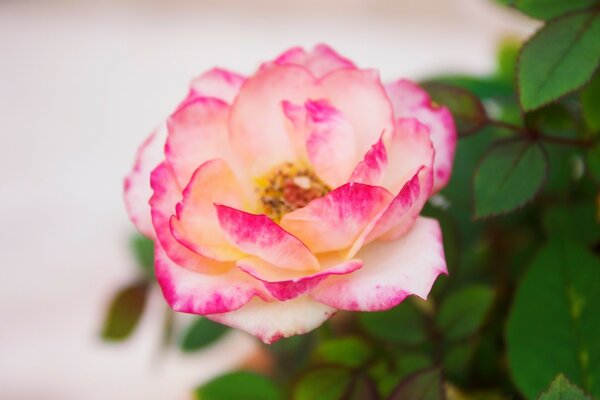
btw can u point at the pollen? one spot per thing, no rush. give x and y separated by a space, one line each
287 188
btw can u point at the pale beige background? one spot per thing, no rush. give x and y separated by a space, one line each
81 84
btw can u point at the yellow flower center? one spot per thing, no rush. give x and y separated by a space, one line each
287 188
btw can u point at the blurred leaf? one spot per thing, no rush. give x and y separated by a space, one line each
553 119
292 354
558 59
456 359
562 389
575 221
124 312
553 326
510 175
592 158
363 389
507 59
327 383
402 324
201 333
548 9
590 103
422 385
468 112
241 385
387 376
143 250
348 351
463 312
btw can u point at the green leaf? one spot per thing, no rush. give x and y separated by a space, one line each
241 385
590 103
328 383
553 326
348 351
467 110
576 221
143 250
387 376
124 312
423 385
402 324
507 59
201 333
462 313
548 9
592 160
509 176
558 59
562 389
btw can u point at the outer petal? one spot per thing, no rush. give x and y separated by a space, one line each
285 284
320 61
331 144
219 83
137 190
410 101
197 133
257 123
396 157
391 272
275 320
196 225
198 293
335 221
402 212
360 96
259 236
166 195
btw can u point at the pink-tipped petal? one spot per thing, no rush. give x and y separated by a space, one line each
259 236
408 149
410 101
331 145
197 133
137 190
271 321
258 128
198 293
196 225
219 83
285 284
162 203
360 96
391 272
296 115
320 61
335 221
372 169
401 213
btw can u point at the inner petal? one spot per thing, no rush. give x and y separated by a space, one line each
287 188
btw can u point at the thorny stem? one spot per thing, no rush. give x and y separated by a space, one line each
534 135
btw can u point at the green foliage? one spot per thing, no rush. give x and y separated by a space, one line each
560 58
467 110
423 385
402 324
143 250
124 312
576 221
590 103
554 326
548 9
327 383
562 389
241 385
463 312
201 333
346 351
509 176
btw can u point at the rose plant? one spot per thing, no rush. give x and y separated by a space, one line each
275 200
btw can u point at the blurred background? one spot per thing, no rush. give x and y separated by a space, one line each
81 85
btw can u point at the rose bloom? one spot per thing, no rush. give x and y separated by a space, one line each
275 200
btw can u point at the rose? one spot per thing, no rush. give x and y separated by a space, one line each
278 199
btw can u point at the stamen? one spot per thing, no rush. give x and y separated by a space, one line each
288 188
